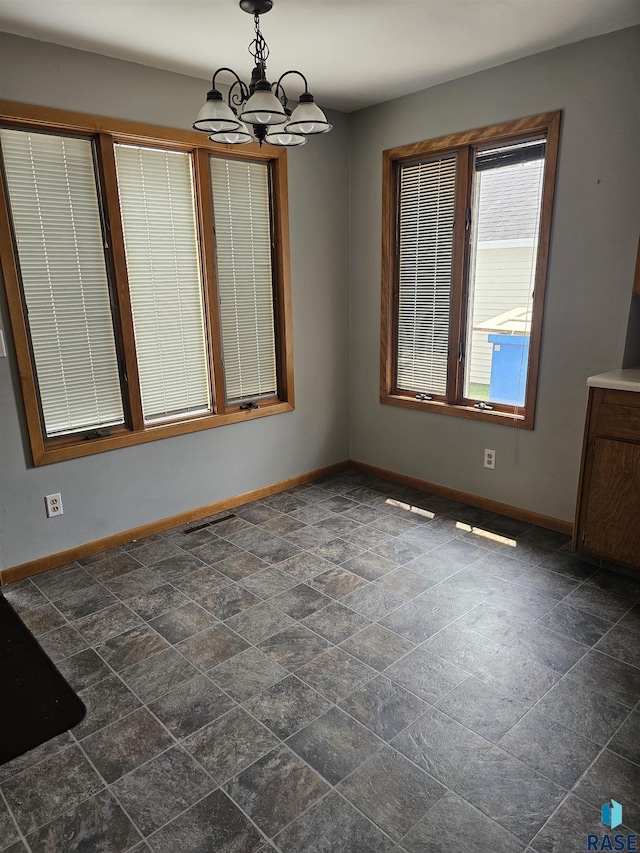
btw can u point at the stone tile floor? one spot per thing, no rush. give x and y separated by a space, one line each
346 667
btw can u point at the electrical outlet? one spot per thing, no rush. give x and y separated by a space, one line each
53 505
490 459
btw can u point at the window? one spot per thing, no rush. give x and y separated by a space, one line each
56 220
241 205
466 224
147 280
158 213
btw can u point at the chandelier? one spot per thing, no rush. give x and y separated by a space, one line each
259 112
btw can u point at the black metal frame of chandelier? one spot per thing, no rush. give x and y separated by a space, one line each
256 7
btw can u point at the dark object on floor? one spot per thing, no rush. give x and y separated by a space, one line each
36 703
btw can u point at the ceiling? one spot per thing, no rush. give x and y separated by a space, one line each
354 52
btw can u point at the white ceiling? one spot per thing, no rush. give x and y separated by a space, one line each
354 52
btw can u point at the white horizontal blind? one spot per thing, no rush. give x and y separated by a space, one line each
245 278
165 281
58 232
425 236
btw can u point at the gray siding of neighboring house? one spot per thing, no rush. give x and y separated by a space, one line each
503 280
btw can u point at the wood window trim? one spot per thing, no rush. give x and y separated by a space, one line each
105 132
462 144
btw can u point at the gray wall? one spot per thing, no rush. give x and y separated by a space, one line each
593 249
115 491
587 319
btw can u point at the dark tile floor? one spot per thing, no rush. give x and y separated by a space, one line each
347 667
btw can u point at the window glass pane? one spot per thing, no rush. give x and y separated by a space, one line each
425 236
506 206
165 280
56 219
242 215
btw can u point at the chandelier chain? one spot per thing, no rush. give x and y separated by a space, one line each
258 48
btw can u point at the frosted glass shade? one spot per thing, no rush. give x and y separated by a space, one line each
263 107
233 137
281 136
308 119
216 116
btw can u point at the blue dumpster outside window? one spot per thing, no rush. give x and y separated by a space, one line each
508 382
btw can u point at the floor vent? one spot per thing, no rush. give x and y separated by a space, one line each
208 523
224 518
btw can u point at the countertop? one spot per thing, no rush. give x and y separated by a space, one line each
619 380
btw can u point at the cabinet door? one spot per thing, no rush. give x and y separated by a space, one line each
612 522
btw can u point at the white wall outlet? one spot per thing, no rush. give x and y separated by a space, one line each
53 505
490 459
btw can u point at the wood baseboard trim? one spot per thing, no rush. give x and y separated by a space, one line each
25 570
526 515
34 567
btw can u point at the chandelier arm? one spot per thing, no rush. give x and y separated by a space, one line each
237 99
231 71
279 90
292 71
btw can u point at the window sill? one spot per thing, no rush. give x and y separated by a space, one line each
520 421
57 450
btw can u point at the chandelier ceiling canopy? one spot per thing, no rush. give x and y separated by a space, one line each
259 112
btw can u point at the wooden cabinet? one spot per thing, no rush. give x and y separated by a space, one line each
608 514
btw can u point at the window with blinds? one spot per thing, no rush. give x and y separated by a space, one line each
466 232
165 282
57 229
242 213
147 280
426 213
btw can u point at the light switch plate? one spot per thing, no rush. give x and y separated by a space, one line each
3 348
